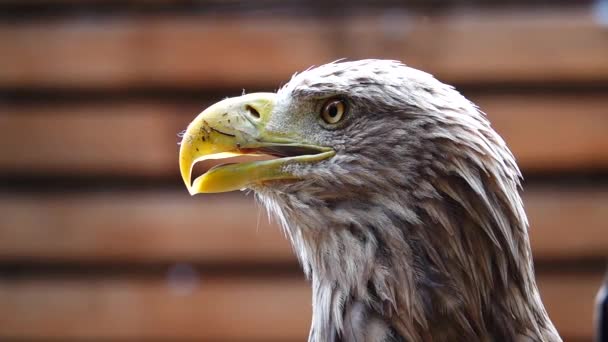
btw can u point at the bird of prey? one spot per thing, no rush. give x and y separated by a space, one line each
400 200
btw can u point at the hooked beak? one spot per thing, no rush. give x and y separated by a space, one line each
237 126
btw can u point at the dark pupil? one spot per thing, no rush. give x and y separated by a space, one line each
333 110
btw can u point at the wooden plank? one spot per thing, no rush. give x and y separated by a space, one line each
160 226
551 133
211 309
567 223
140 227
566 45
200 308
569 300
545 133
119 139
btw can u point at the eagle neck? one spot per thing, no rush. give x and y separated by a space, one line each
418 266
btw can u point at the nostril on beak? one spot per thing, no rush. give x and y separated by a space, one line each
252 112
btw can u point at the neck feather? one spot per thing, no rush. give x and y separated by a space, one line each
458 259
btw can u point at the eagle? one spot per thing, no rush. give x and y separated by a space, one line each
400 201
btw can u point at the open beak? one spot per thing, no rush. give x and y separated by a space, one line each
237 126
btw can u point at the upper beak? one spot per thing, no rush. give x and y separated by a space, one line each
237 126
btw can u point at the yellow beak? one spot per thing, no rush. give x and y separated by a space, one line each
237 126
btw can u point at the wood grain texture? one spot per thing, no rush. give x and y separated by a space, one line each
545 133
164 226
239 50
207 308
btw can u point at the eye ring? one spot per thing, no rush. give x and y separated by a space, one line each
333 111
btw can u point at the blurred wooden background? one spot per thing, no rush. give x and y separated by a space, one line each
99 239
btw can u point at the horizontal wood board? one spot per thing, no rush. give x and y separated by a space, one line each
239 50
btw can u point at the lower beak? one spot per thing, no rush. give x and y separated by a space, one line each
237 126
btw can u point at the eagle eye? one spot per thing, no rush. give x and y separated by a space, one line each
333 111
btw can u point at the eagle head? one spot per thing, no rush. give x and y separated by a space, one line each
400 200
